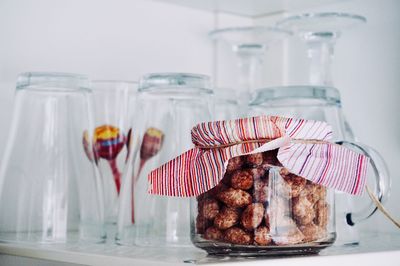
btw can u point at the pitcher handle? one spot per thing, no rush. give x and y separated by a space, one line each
381 186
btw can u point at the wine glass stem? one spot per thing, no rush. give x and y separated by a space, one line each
249 64
320 53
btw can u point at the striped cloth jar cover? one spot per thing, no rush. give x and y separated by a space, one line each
304 149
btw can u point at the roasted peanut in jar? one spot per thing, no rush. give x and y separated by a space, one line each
259 204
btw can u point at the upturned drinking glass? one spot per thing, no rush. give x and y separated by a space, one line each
48 189
112 108
169 105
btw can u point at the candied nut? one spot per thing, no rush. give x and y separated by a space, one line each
284 171
312 232
313 192
296 184
236 235
226 218
303 210
235 197
321 213
309 192
320 191
262 236
214 191
258 172
242 179
261 191
226 180
209 208
213 233
201 224
252 216
255 159
234 163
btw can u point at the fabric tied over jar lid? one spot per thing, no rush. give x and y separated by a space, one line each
303 148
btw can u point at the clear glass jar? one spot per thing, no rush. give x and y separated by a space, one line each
259 208
169 105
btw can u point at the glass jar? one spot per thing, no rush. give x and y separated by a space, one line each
169 105
323 103
259 208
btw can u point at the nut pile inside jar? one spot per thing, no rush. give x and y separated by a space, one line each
249 208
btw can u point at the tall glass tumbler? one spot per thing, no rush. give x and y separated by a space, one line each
169 105
112 106
49 191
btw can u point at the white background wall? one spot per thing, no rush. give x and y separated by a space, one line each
123 39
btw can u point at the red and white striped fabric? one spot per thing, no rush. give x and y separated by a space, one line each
303 149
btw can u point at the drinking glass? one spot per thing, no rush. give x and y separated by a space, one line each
169 105
44 175
112 105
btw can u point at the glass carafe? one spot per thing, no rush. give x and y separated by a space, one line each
169 105
324 104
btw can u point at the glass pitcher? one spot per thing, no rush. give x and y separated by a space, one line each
169 105
323 103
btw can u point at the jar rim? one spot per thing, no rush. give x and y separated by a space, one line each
263 95
176 83
53 81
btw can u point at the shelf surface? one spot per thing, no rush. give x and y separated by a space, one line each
251 8
374 247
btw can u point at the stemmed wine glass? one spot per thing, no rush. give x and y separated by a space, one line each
250 45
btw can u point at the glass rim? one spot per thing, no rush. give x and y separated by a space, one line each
214 33
105 85
175 82
325 93
312 15
53 81
115 81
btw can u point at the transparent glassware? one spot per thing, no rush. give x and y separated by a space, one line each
226 104
113 103
320 32
260 209
324 104
44 175
169 105
250 45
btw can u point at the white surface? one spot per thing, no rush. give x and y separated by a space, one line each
251 8
383 248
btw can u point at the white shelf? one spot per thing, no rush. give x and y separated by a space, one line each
251 8
384 248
